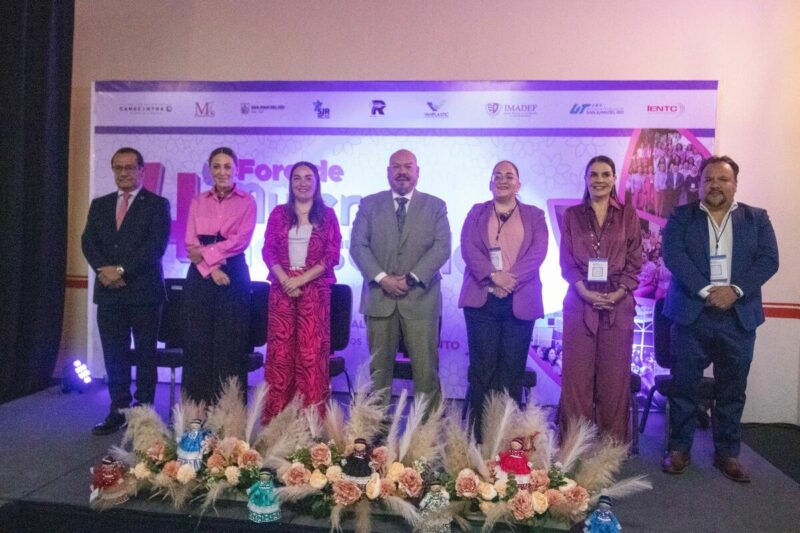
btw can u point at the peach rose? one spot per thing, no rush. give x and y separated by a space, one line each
554 497
317 480
186 473
521 505
540 504
346 493
410 482
388 488
539 480
297 474
171 469
578 499
215 463
239 449
380 456
250 458
156 451
320 455
334 473
395 471
226 446
467 484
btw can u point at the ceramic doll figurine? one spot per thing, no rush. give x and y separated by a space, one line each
602 519
263 503
190 445
356 466
515 461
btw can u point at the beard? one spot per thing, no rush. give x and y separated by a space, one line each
715 199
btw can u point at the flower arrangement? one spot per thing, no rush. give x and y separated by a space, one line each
428 470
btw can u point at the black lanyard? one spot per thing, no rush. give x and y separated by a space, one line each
502 219
718 236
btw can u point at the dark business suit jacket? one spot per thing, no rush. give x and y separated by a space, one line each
527 297
686 254
138 247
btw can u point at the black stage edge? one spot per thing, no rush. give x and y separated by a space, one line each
47 448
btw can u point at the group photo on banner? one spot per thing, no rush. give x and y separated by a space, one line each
427 300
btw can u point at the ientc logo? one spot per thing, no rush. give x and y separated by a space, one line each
666 109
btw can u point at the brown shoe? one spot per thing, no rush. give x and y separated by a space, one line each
732 469
675 462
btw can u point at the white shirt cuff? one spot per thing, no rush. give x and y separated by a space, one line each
380 276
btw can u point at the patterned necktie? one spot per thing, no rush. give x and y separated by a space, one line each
401 212
123 208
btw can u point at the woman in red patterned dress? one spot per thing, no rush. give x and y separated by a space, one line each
301 249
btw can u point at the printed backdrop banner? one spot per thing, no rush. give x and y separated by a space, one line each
458 130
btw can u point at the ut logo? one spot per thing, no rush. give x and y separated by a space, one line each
205 110
378 107
577 109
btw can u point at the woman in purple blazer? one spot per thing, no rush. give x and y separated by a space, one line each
503 243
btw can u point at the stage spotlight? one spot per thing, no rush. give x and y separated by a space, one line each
76 377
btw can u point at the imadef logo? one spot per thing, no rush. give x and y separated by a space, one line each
205 110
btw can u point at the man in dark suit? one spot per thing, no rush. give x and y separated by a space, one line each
399 241
720 253
125 237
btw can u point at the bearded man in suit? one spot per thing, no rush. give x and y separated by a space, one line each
399 241
720 253
125 237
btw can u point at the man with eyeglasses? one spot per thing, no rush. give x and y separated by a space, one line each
125 237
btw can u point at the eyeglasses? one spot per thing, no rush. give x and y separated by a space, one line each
118 169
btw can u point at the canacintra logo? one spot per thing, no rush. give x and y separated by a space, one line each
436 110
494 109
322 112
595 109
205 110
377 108
146 109
666 109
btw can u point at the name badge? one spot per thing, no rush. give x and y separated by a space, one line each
719 270
497 258
598 270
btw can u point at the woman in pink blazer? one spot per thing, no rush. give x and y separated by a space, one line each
503 243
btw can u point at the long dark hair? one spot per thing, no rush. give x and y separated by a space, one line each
600 159
317 213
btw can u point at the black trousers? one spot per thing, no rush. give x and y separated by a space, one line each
498 349
217 330
117 323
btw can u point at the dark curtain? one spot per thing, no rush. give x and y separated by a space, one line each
36 38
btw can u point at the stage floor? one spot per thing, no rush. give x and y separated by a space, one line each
47 449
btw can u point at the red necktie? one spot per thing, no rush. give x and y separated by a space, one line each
123 208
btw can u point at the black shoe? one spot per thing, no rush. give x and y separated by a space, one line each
113 423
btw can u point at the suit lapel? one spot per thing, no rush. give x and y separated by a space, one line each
700 226
740 229
483 224
525 215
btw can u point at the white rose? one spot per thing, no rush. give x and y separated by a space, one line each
318 480
501 486
186 473
232 475
487 491
141 471
373 488
540 503
395 471
570 484
334 473
486 507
